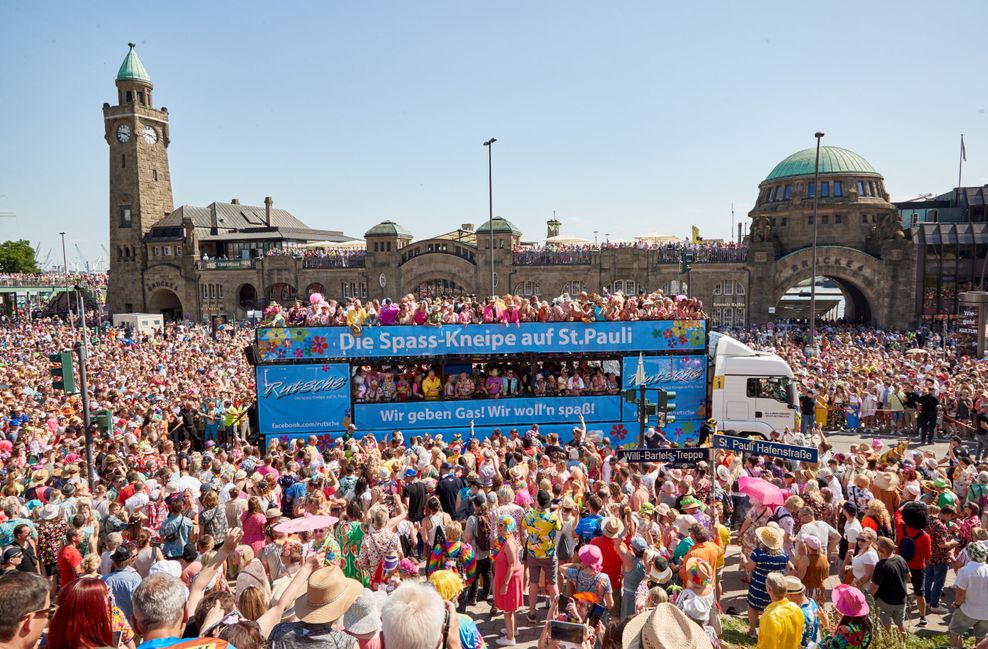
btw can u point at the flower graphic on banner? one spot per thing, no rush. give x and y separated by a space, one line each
618 431
319 344
298 352
325 368
324 442
299 335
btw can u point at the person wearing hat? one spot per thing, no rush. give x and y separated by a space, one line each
766 558
633 572
854 629
664 626
328 596
363 619
12 558
781 624
123 580
971 597
612 534
796 592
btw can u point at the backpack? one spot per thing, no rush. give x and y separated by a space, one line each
169 531
483 537
907 547
780 513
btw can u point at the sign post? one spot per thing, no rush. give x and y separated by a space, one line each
807 454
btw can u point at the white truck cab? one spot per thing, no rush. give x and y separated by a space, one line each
752 393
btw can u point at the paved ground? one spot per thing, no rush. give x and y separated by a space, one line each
734 589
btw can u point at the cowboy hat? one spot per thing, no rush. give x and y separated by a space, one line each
664 626
770 536
886 480
683 523
612 527
328 596
849 601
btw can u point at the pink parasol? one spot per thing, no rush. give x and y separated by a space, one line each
305 524
761 491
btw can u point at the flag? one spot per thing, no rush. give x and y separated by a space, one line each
963 150
696 235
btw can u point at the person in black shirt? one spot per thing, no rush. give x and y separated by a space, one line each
888 584
912 396
415 496
928 405
981 431
22 541
448 488
806 404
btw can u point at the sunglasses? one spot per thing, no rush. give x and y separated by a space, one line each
47 612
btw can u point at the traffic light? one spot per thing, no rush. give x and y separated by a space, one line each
61 369
104 421
685 262
631 396
666 403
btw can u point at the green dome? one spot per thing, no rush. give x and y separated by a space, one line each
388 229
833 160
132 69
501 225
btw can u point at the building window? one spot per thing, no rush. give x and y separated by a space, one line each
363 290
864 218
140 97
809 219
389 246
168 251
838 219
861 188
824 190
125 216
783 221
739 288
575 288
823 220
203 291
810 190
728 287
154 174
154 251
130 97
871 188
775 195
788 193
212 291
123 160
838 189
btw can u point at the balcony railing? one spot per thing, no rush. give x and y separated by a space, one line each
552 258
704 255
336 261
226 264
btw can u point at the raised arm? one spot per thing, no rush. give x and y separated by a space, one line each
205 575
297 586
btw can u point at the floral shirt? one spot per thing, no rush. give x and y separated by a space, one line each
350 536
938 538
542 528
118 623
51 534
846 636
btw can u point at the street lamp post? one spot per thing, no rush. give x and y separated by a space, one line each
816 200
65 269
490 199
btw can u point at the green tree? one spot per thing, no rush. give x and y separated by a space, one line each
17 257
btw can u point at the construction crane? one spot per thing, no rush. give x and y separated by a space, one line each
98 265
82 258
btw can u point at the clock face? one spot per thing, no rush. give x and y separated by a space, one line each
150 135
123 133
382 280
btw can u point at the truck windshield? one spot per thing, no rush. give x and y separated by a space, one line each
770 387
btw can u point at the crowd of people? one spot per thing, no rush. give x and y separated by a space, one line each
507 310
485 380
194 531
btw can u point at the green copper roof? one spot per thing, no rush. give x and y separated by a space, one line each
388 229
132 69
501 224
833 160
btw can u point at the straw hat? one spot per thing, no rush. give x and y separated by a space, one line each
886 480
612 527
328 596
664 626
770 536
862 480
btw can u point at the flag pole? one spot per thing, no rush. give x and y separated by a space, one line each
960 163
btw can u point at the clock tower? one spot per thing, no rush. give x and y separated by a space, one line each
140 183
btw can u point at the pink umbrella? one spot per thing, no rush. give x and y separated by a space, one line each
761 491
305 524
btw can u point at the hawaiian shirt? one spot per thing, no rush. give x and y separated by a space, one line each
938 537
542 528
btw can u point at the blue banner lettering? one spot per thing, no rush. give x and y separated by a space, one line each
685 375
302 398
514 411
317 343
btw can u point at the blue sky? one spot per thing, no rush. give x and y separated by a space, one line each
623 117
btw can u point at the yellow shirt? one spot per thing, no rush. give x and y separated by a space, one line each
356 316
723 540
431 386
781 626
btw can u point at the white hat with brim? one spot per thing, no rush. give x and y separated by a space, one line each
364 615
664 626
330 594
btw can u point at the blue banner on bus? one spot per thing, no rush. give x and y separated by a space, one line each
519 411
684 375
317 343
303 398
